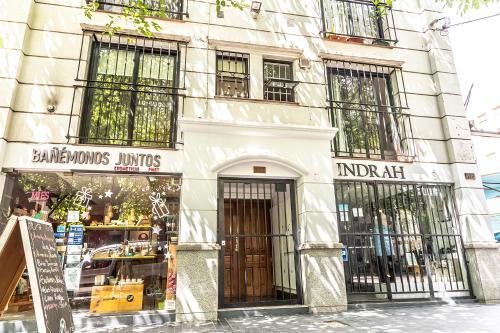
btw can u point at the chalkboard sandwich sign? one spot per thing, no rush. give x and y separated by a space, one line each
50 298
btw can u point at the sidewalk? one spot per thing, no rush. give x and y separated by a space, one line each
459 318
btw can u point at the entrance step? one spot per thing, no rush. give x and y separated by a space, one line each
410 303
283 310
108 321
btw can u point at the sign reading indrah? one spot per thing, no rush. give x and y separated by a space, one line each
370 171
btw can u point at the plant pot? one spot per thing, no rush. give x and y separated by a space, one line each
356 40
339 38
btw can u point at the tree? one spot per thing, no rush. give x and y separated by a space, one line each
139 12
463 6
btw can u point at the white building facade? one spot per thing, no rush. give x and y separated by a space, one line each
316 153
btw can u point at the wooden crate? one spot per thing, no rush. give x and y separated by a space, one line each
126 298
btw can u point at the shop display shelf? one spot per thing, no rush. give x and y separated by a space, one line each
118 227
125 258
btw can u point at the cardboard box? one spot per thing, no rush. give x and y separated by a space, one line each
119 298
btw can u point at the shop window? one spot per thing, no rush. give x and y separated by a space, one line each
131 94
358 21
232 74
170 9
278 81
368 106
116 237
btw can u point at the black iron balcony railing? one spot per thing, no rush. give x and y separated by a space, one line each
358 20
128 92
372 131
169 9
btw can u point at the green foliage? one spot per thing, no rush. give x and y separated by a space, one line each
139 13
463 6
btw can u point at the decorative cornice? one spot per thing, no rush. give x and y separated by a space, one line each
483 245
100 28
257 129
198 247
284 52
268 158
363 60
320 246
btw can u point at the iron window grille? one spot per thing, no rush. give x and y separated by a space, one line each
169 9
278 81
368 105
130 92
358 19
233 74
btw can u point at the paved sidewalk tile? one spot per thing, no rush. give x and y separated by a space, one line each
462 318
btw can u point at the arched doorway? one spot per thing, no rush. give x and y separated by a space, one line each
257 230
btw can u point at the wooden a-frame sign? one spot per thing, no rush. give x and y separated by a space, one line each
28 242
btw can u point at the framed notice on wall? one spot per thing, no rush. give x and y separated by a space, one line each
50 298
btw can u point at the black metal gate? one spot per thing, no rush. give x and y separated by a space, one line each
257 230
401 241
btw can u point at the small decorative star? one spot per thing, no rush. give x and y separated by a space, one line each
101 196
108 193
156 230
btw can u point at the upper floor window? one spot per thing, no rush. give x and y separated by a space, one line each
232 74
278 81
358 20
368 105
171 9
130 92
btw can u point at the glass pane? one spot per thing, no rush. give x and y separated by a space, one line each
116 237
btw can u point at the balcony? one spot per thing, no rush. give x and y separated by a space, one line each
372 132
358 21
167 9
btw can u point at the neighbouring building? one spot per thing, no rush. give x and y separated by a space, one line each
304 152
485 129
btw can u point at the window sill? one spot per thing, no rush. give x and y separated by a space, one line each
355 41
401 159
110 12
102 145
253 100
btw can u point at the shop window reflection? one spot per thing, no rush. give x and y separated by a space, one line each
116 236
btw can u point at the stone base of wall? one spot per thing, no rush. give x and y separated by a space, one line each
484 267
323 277
197 282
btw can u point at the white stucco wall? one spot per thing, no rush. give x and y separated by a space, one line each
43 59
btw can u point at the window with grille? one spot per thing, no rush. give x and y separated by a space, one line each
278 81
130 93
358 19
232 74
171 9
368 105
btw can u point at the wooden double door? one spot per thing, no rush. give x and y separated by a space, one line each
248 269
256 233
